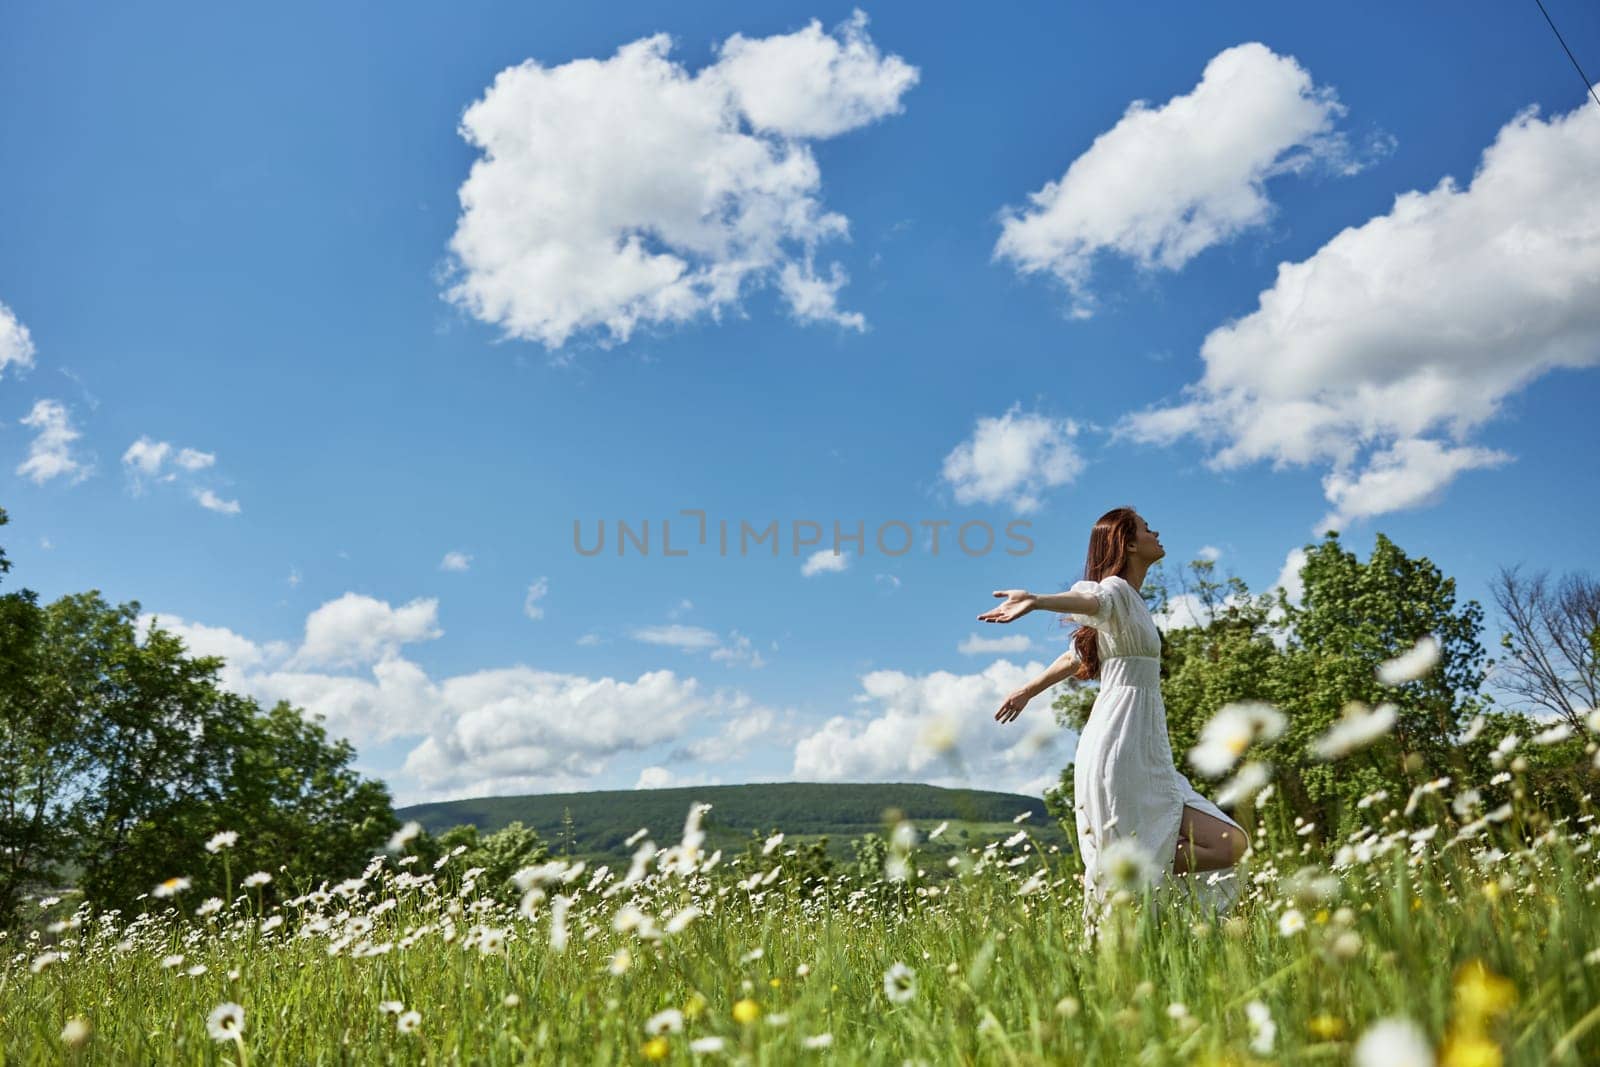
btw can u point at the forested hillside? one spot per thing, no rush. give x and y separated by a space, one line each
599 823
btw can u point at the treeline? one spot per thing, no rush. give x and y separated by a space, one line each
128 775
122 761
1317 655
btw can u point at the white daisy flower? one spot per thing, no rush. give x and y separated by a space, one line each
1409 666
171 887
1263 1031
558 922
1126 864
75 1032
1356 729
1393 1042
899 983
226 1021
1235 726
664 1022
222 840
1559 732
680 921
1246 783
402 836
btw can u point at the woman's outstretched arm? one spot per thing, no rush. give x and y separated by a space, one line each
1063 668
1019 602
1068 602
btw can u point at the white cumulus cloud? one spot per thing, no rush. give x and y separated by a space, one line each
825 561
536 592
212 502
150 460
16 344
973 645
1289 578
737 649
1013 459
504 727
1166 183
938 728
50 454
677 635
491 731
355 630
1380 355
626 191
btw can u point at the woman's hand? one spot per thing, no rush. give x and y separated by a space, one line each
1013 705
1018 603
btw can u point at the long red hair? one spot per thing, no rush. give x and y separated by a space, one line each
1113 534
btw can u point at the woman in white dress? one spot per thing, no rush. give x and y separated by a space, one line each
1134 807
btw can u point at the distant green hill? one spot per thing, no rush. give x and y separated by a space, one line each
603 821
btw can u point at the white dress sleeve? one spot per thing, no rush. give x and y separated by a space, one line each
1103 615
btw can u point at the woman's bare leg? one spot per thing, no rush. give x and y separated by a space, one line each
1206 843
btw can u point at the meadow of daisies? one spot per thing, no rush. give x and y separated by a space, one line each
1444 931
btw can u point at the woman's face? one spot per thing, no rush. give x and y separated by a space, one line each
1146 542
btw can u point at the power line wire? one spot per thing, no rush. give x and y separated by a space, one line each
1586 83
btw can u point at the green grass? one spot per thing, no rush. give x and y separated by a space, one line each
999 977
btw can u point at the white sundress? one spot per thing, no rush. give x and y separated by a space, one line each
1125 782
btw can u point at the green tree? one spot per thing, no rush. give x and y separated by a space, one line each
504 853
498 855
40 753
300 810
148 758
1314 657
1353 616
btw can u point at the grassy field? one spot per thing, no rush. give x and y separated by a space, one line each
1460 939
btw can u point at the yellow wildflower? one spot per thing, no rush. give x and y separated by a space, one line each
746 1011
656 1048
1480 992
1468 1050
1326 1027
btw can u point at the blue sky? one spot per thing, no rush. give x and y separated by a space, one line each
286 324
